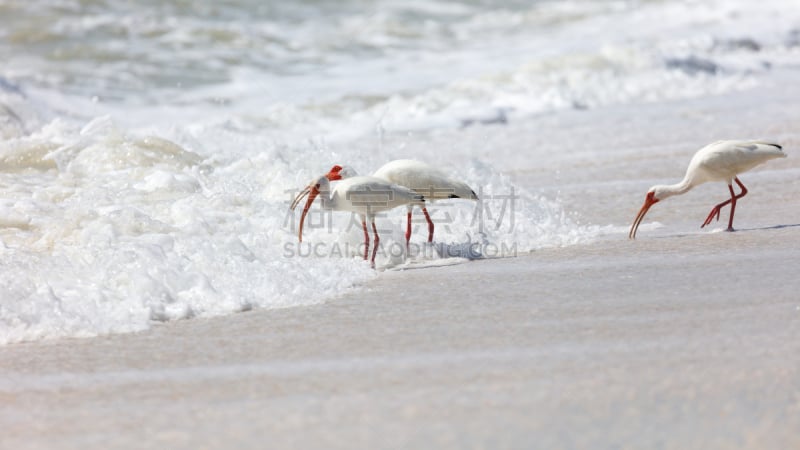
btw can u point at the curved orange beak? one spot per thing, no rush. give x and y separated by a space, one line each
649 201
312 192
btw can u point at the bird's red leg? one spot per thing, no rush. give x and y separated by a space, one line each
716 210
733 200
430 224
408 230
375 245
366 239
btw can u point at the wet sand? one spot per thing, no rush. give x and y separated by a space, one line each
674 342
678 340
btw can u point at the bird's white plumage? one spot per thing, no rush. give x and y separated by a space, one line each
425 179
720 161
366 195
723 160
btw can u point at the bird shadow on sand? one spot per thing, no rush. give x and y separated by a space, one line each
772 227
700 233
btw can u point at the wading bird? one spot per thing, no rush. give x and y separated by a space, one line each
720 161
364 196
427 181
423 179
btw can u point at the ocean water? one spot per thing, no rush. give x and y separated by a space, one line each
149 151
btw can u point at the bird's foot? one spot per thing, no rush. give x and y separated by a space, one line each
730 229
714 213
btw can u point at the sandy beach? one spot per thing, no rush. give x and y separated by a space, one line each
681 339
692 346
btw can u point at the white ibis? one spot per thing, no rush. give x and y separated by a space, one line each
720 161
364 196
423 179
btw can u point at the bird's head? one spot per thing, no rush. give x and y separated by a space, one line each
335 173
342 172
313 189
654 195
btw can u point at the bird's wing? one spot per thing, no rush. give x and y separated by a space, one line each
425 179
373 194
726 159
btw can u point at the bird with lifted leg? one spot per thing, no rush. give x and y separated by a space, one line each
719 161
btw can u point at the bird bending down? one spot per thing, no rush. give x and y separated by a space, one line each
364 196
423 179
720 161
427 181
